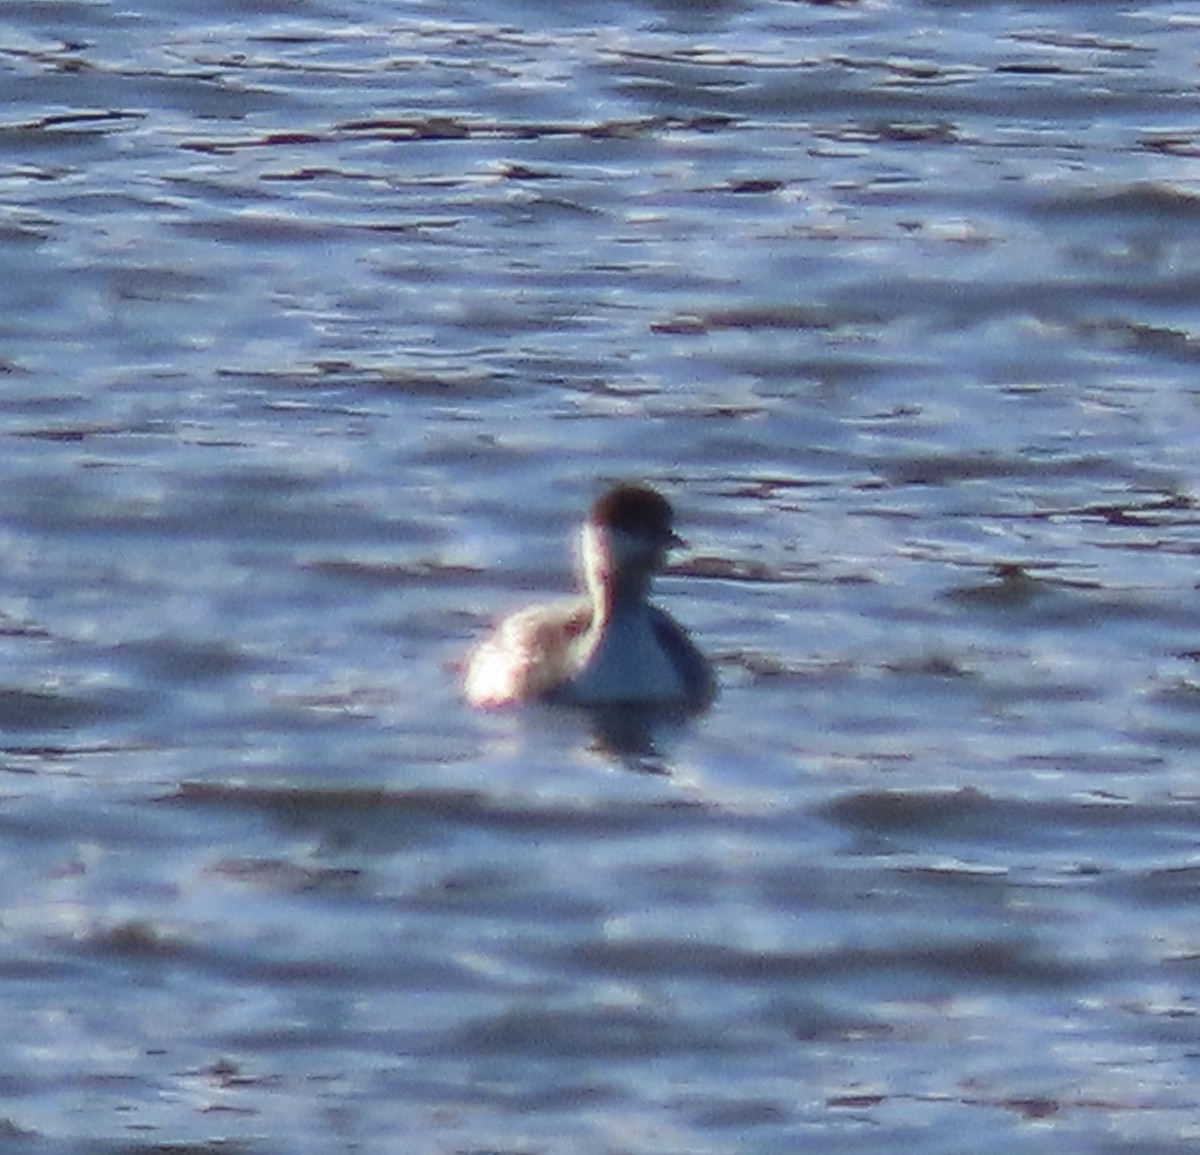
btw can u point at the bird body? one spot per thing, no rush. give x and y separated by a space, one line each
610 647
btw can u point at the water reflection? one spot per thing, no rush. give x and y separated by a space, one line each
638 738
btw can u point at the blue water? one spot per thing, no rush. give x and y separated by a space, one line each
320 326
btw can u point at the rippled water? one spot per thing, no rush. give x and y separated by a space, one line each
321 324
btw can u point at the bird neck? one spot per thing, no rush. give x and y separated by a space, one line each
616 574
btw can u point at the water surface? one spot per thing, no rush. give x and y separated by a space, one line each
321 324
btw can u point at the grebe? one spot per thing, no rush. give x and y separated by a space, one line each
611 647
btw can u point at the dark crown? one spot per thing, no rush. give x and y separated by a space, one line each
635 509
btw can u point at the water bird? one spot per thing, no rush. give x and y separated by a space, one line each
611 647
